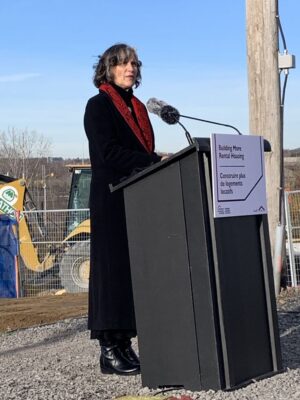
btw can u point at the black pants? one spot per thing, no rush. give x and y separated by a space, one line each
113 337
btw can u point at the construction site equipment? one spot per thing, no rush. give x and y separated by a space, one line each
70 255
48 246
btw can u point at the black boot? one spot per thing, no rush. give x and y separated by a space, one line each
129 353
112 361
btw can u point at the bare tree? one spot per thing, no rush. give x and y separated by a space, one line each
22 153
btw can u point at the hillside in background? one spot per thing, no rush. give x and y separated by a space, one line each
54 178
292 169
59 184
57 179
50 180
292 153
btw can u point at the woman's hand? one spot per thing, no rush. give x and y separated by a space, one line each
164 158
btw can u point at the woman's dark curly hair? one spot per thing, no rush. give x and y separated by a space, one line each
115 55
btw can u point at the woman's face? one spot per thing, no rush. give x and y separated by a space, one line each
124 75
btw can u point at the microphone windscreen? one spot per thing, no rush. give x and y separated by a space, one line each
154 105
169 114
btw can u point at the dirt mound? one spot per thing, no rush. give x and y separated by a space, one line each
48 308
25 312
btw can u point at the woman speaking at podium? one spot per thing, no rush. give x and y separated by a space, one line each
121 140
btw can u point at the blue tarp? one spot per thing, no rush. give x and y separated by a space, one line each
8 253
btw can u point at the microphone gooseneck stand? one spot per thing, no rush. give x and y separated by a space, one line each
187 134
211 122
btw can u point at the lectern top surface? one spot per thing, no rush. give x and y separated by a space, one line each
199 145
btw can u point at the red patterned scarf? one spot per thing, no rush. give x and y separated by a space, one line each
142 130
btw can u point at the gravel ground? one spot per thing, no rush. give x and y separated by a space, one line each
59 361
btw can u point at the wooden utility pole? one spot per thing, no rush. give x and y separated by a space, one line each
264 95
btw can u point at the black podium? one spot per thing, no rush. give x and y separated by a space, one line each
203 287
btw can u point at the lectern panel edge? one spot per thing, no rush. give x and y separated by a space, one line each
161 280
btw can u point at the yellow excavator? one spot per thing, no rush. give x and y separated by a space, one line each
68 258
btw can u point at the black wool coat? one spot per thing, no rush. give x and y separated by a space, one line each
114 153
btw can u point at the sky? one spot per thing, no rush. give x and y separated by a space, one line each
193 54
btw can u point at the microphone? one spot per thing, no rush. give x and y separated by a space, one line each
171 115
166 112
154 105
